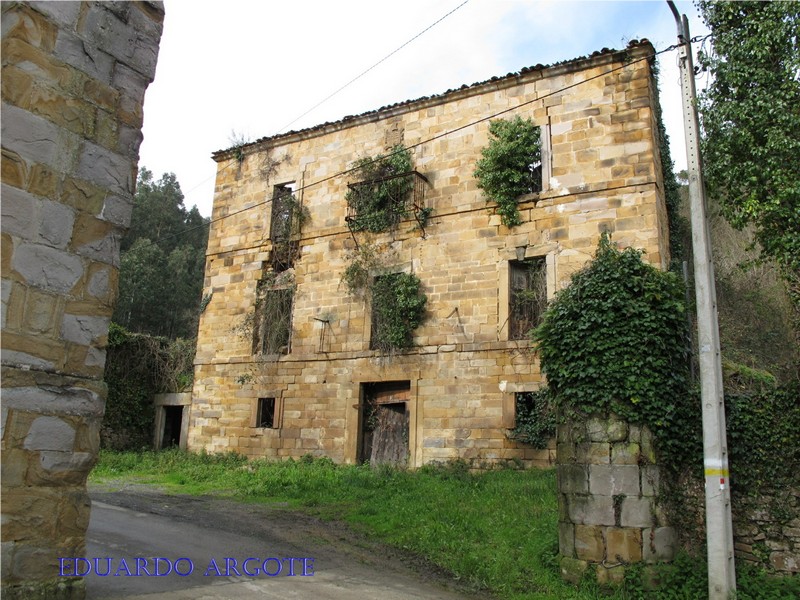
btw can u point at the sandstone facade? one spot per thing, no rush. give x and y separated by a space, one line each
457 386
73 85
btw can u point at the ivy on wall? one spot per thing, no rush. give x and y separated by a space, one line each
535 422
139 366
398 308
507 167
615 341
378 201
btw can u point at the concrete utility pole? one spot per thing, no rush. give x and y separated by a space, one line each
719 529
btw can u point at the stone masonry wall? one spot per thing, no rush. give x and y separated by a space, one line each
73 83
609 513
597 120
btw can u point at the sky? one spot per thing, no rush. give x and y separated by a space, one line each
256 67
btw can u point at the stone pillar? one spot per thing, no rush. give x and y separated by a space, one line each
73 83
608 488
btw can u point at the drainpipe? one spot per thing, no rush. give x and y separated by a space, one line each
719 529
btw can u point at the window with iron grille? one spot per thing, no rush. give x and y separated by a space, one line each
273 319
527 296
282 226
386 191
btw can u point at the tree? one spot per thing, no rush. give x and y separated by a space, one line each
751 121
162 261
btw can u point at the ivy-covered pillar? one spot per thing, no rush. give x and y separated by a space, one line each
613 347
608 495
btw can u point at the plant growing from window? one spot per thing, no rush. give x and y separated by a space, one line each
288 217
535 422
272 319
378 201
398 308
510 165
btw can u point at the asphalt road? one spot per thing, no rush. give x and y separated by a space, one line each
147 545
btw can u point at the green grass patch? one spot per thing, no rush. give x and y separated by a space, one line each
495 530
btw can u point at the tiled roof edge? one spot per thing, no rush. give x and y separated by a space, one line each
639 47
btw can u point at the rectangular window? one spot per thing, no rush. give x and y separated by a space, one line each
281 227
527 295
265 413
534 418
273 319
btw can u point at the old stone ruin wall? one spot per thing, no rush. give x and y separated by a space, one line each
608 499
73 83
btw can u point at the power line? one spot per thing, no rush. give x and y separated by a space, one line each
356 78
445 133
359 76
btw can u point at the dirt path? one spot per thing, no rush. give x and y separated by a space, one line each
343 559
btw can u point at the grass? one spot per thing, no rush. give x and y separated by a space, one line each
495 530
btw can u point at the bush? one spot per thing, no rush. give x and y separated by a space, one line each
506 168
615 341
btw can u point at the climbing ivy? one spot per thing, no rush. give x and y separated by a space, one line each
507 167
379 198
614 341
398 308
535 422
137 367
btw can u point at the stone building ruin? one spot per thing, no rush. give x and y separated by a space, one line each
288 362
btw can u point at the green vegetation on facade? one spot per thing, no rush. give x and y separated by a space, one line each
137 367
505 170
614 341
398 308
379 197
463 522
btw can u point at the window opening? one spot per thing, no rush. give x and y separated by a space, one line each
534 418
273 318
265 417
527 296
282 226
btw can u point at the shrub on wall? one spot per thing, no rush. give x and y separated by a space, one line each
505 170
614 341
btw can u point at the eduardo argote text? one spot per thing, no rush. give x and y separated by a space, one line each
139 566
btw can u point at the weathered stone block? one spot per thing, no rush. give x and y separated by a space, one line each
637 512
612 480
594 453
573 479
572 569
623 544
610 576
566 539
50 433
659 544
590 510
47 268
589 543
624 453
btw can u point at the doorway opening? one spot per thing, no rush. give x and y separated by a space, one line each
384 423
173 420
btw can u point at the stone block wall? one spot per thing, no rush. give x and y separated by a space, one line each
73 83
596 117
608 496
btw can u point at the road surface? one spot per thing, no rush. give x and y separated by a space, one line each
143 544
